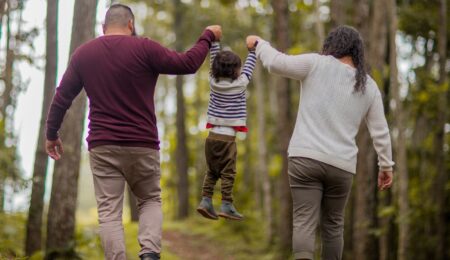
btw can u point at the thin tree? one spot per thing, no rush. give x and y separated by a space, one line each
441 154
263 171
61 215
400 144
337 12
281 37
181 153
33 241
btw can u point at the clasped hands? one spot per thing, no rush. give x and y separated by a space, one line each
217 30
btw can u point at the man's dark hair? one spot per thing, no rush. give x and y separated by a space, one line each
226 65
118 15
346 41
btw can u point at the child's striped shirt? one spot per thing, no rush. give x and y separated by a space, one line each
227 103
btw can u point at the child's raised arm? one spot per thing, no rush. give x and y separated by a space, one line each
215 48
249 64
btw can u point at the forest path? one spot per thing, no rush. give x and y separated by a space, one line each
192 246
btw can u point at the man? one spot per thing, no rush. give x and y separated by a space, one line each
119 72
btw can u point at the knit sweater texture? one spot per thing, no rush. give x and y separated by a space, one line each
228 100
330 111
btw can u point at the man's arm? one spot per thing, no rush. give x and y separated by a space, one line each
69 87
166 61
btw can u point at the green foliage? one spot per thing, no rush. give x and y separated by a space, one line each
12 231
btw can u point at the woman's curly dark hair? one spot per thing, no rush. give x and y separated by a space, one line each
346 41
226 65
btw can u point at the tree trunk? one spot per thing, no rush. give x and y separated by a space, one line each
337 12
2 13
281 36
365 215
9 66
441 154
400 144
181 153
61 215
320 30
6 95
33 240
263 171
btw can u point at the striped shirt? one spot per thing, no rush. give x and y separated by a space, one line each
228 103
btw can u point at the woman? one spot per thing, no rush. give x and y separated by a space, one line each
336 96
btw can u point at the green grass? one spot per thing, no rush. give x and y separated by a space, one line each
237 239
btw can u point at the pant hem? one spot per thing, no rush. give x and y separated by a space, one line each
304 255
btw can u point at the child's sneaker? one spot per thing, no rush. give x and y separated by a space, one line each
228 211
206 208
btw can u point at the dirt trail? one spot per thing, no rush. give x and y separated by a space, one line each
192 247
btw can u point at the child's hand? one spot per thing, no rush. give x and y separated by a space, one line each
251 41
217 30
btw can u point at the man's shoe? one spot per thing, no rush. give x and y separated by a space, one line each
150 256
206 208
228 211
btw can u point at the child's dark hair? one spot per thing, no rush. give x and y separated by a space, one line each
346 41
226 65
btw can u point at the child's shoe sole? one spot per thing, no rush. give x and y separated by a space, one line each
206 214
224 215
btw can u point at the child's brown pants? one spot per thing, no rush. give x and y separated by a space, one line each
220 153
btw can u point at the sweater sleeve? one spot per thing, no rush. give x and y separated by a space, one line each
166 61
69 87
249 65
379 131
215 48
290 66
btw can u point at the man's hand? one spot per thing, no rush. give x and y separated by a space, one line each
54 148
251 41
217 30
385 180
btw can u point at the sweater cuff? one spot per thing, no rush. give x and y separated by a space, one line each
260 46
386 168
208 36
52 135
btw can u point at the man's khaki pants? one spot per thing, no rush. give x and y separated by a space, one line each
112 166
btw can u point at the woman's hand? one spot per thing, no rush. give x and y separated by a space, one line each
385 180
251 41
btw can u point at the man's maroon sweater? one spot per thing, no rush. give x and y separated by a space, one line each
119 75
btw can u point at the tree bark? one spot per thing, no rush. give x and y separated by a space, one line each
33 240
365 207
181 153
2 13
320 30
5 100
281 36
441 154
337 12
400 144
263 171
61 215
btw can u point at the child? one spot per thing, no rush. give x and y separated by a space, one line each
227 114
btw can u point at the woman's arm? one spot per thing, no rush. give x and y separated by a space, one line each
290 66
379 131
